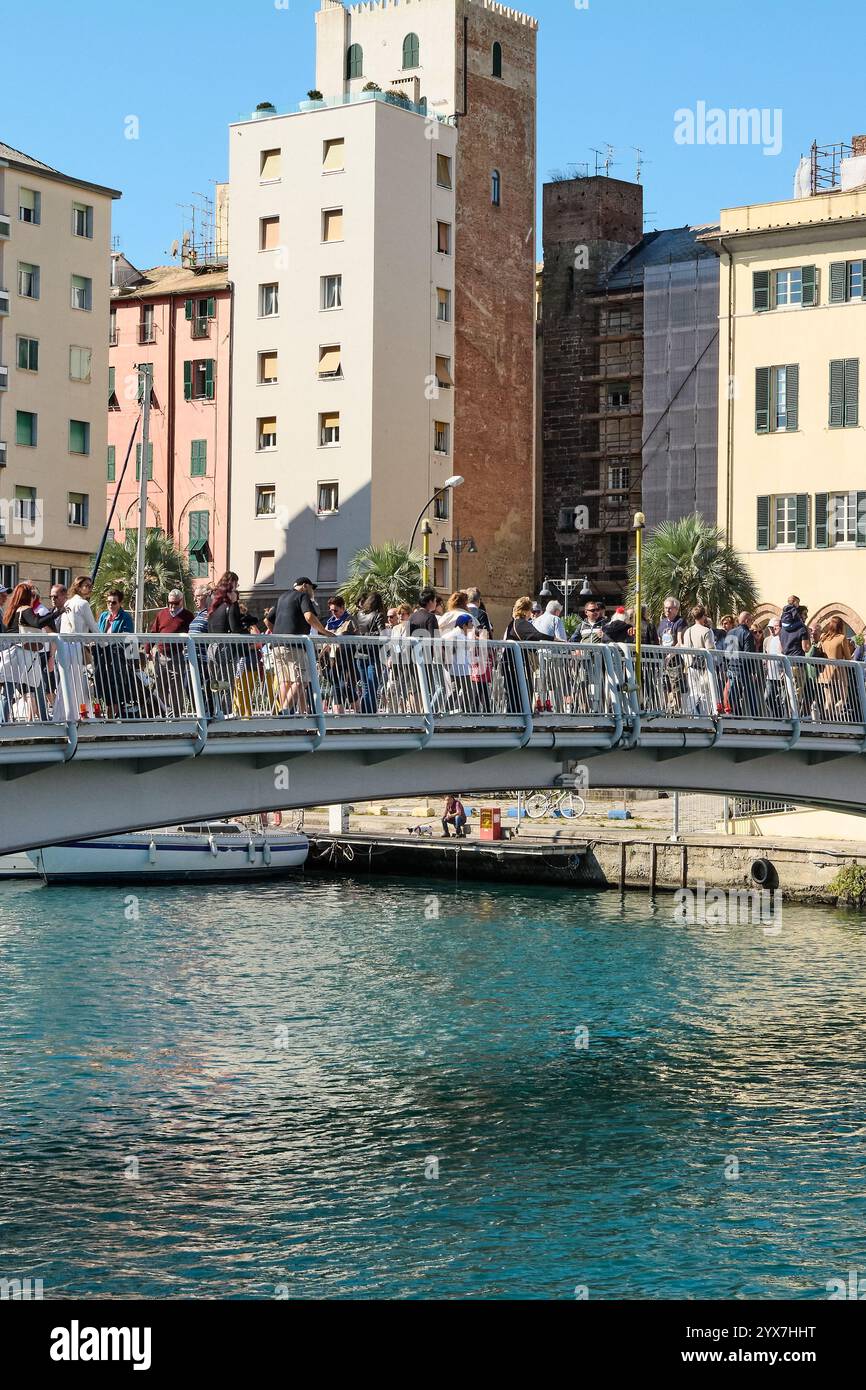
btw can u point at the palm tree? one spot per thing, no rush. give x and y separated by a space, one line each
390 568
165 568
690 560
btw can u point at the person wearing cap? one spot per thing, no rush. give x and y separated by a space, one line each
619 629
459 650
170 657
296 616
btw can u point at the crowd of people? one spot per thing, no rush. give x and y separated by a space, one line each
466 674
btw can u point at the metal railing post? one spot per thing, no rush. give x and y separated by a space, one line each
315 688
418 645
197 695
523 688
70 704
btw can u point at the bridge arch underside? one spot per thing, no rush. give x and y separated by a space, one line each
53 804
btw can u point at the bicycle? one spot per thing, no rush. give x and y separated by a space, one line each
569 804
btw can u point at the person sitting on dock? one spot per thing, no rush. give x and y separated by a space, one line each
454 815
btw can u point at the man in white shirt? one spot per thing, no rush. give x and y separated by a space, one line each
550 623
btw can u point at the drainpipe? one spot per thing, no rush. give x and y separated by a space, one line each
228 512
729 461
170 462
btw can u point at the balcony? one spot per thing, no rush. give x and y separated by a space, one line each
2 453
5 226
4 378
352 99
4 301
200 326
113 337
147 333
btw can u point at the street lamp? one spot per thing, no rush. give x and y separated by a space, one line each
638 526
455 481
566 587
458 545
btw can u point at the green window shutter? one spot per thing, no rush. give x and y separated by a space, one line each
198 458
802 521
837 393
763 539
810 285
110 382
23 353
822 503
760 289
861 519
187 378
149 462
208 379
187 309
762 399
792 394
211 308
838 279
111 463
76 436
198 543
852 390
137 463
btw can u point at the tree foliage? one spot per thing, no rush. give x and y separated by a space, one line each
691 560
390 568
165 567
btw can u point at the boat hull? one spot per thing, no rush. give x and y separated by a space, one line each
161 858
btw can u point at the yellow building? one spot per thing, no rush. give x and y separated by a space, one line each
792 434
55 254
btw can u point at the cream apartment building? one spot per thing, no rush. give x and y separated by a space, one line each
792 431
381 245
55 246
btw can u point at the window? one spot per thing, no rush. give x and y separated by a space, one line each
440 572
496 69
443 305
145 381
329 429
78 507
355 60
198 458
266 432
29 206
113 402
441 437
326 566
269 233
25 428
777 395
618 477
28 280
333 156
781 289
618 395
618 320
269 301
844 393
149 462
146 326
8 573
79 363
443 238
199 550
28 354
267 368
328 498
199 313
332 291
330 362
618 550
846 281
198 380
495 188
442 505
82 219
82 292
25 504
783 522
443 371
443 171
840 519
332 224
266 500
270 166
61 576
411 51
263 567
110 470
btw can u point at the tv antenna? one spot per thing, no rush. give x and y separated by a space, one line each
640 162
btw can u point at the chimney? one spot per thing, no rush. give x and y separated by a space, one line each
858 145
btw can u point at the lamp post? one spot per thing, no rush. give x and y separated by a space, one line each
448 486
458 545
566 587
426 531
638 526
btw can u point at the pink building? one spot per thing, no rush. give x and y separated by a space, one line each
176 321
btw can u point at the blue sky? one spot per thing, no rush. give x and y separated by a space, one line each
616 71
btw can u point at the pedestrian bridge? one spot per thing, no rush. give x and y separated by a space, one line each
129 732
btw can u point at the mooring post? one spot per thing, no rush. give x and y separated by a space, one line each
684 863
654 863
623 850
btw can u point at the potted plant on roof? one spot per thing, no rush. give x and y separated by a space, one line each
263 109
399 98
314 99
371 87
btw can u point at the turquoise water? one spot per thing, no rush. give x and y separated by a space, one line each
285 1067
